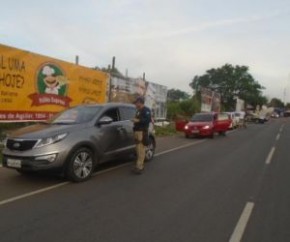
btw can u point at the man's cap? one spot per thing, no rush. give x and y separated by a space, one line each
139 100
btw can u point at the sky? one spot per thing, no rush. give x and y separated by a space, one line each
170 40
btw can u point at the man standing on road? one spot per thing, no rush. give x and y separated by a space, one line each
141 125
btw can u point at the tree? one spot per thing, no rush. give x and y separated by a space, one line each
183 109
276 103
231 82
177 95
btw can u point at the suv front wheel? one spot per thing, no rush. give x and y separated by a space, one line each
80 165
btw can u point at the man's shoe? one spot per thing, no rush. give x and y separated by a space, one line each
138 171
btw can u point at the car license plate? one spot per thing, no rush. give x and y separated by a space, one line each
14 163
195 131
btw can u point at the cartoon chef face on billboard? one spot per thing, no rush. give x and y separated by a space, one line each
52 86
51 80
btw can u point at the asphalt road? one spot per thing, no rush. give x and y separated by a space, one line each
232 188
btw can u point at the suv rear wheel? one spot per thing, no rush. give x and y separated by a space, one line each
150 150
80 165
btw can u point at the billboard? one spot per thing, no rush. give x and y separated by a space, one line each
210 100
240 105
34 87
127 89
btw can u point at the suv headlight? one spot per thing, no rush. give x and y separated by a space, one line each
50 140
206 127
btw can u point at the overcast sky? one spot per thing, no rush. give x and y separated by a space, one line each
170 40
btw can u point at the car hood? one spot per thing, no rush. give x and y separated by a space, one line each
38 131
198 124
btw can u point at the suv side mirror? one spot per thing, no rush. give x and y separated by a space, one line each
105 120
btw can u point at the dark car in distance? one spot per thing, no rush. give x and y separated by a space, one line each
75 141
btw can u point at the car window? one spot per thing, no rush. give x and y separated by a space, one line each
113 113
80 114
127 113
202 117
222 116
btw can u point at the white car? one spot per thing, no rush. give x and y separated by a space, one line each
235 120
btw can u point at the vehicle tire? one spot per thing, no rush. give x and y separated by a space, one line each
212 135
187 136
222 133
150 150
80 165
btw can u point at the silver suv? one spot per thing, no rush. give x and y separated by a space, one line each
75 141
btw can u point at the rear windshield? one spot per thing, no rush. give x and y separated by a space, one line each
202 117
76 115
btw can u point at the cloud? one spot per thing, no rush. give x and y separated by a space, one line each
210 25
171 42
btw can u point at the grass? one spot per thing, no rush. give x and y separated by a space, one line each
168 130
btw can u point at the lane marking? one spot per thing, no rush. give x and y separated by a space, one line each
278 137
9 200
270 156
242 223
42 190
111 169
282 127
179 147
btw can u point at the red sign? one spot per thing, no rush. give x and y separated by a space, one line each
25 116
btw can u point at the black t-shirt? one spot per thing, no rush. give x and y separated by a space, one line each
144 115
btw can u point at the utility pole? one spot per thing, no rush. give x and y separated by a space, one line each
284 96
77 60
111 70
113 63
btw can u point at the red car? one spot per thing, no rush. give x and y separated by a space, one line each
207 124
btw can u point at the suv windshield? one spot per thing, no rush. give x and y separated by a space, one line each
202 117
76 115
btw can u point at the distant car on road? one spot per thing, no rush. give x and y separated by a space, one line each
275 115
207 124
256 118
235 120
75 141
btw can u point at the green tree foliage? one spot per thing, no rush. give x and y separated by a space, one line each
177 95
231 82
183 109
173 110
276 103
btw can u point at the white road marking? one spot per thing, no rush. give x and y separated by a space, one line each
242 223
281 128
278 136
9 200
179 147
29 194
110 169
270 156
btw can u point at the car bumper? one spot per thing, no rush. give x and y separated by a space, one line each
34 162
201 132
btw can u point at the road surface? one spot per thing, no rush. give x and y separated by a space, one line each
233 188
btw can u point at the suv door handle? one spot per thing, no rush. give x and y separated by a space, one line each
120 128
